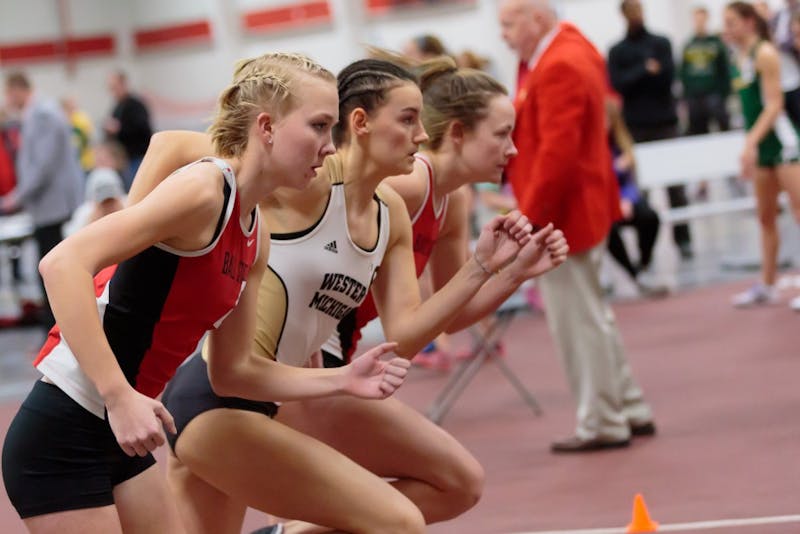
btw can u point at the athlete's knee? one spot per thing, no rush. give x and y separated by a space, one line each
407 519
460 483
393 515
466 485
767 220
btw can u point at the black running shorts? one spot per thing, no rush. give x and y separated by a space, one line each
58 456
189 394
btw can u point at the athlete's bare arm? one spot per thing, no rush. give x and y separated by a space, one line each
181 211
546 250
405 318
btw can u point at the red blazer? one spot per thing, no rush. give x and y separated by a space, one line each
563 173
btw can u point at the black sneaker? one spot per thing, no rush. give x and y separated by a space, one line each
643 429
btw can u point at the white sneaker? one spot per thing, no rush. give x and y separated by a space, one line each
795 304
757 295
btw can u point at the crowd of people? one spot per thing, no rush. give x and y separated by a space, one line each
316 203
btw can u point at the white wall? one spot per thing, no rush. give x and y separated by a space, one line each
183 82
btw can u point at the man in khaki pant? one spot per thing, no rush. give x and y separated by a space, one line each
563 174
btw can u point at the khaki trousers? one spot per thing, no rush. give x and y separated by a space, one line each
587 339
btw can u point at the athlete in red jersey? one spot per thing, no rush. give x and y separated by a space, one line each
76 457
150 309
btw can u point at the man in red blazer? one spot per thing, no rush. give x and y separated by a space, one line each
563 174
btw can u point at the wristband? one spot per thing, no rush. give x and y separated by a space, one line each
484 269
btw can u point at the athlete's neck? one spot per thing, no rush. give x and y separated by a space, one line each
252 185
449 172
361 177
749 43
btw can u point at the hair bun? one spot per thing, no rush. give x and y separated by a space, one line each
428 71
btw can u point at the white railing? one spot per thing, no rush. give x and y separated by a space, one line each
689 160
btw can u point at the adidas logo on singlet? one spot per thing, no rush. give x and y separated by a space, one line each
331 247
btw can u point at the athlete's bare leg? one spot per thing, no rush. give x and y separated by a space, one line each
789 179
89 521
264 464
766 191
146 506
393 440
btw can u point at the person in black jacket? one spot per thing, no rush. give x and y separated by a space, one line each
129 124
642 71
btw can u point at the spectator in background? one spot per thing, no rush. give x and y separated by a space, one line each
796 30
9 147
468 59
49 177
642 71
780 26
424 47
706 81
8 174
563 175
105 190
82 132
636 211
705 76
129 124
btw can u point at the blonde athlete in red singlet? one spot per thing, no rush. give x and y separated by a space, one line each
186 259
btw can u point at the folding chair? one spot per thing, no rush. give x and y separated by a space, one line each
484 347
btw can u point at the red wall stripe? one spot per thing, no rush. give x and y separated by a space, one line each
85 46
199 31
10 53
382 6
289 16
72 48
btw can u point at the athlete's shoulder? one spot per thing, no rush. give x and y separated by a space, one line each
198 186
399 220
766 51
412 187
390 197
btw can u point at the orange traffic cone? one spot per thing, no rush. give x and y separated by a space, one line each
641 522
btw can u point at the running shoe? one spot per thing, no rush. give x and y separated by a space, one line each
757 295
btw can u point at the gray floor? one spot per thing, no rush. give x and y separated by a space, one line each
719 243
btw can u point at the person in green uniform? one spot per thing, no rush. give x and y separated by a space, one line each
771 155
705 76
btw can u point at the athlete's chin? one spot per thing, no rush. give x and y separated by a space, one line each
301 182
407 166
494 177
